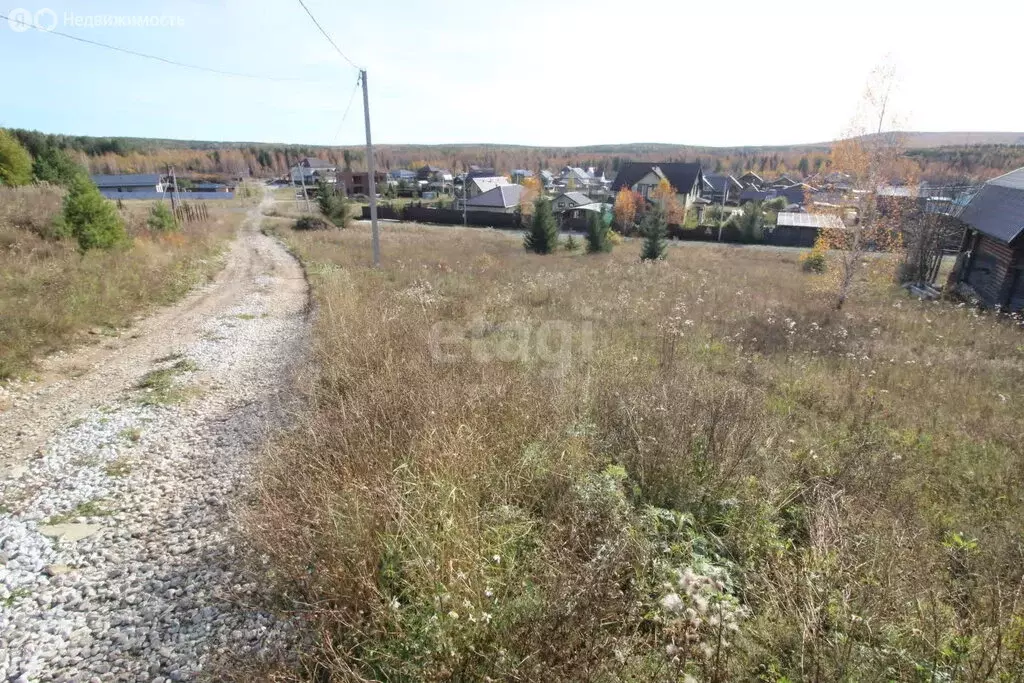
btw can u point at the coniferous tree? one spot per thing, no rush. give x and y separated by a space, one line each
653 229
543 235
90 218
598 234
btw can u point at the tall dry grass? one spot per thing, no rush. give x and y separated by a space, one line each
700 470
50 292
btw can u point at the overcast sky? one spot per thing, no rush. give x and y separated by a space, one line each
559 73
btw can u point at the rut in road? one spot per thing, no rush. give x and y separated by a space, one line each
144 478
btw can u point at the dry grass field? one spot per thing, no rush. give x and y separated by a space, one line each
51 293
586 468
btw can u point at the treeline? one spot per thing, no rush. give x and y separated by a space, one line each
141 155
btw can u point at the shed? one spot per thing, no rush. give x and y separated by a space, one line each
992 252
794 229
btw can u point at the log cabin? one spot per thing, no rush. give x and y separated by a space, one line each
991 259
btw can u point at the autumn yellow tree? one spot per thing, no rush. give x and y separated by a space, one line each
870 153
529 194
666 196
625 209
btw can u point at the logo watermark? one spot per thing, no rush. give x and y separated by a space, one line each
45 19
554 344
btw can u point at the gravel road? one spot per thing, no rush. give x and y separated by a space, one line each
117 560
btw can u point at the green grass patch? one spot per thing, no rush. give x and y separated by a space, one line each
90 508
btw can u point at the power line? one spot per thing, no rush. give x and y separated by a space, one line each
329 39
156 58
351 99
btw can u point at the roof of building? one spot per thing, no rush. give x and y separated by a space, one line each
783 181
998 208
403 173
681 176
503 196
134 179
525 172
485 184
547 175
808 220
577 198
479 172
719 181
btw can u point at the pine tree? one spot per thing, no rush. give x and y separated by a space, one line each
654 229
598 238
543 235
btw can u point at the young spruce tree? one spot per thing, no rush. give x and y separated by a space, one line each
653 229
543 235
599 238
90 218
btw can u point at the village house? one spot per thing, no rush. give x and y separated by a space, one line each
112 185
499 199
520 174
722 188
310 170
478 186
782 182
569 200
686 179
751 180
358 182
991 257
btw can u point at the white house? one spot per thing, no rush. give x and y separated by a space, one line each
310 170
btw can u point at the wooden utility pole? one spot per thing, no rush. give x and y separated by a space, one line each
371 173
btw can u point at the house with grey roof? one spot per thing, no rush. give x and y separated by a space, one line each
568 201
991 262
722 188
476 186
311 170
499 199
131 182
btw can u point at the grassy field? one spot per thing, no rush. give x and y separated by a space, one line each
51 294
587 468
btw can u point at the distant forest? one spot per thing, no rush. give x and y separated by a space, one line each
147 155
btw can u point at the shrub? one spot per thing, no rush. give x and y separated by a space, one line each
90 218
598 234
750 222
571 244
543 235
311 223
814 261
15 161
161 219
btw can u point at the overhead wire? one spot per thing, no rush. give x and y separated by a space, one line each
328 37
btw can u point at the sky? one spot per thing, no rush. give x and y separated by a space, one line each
532 72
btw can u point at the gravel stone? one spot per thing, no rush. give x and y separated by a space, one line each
156 591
